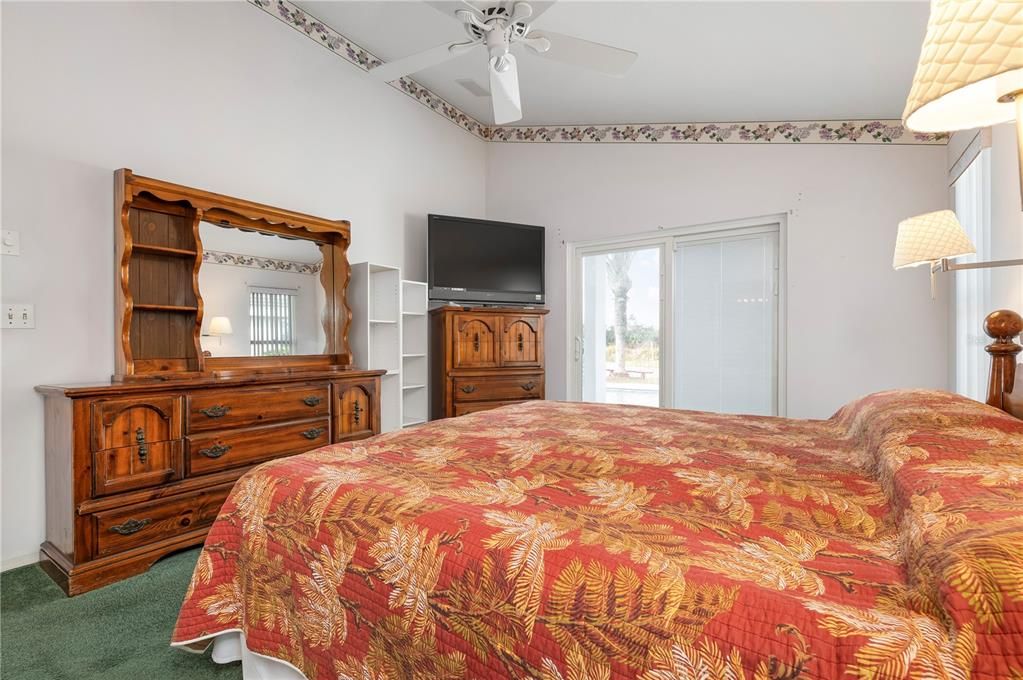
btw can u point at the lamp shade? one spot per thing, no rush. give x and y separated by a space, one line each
930 237
970 65
220 325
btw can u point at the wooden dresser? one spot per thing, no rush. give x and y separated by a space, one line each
484 357
138 466
136 471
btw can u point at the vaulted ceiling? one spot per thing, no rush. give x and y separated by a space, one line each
699 61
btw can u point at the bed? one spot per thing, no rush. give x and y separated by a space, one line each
565 541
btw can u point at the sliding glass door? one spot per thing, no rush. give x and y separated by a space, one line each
619 342
688 319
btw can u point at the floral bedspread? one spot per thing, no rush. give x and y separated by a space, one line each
566 541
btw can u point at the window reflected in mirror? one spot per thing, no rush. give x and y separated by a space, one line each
262 294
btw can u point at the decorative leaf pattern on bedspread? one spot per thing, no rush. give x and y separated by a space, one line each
588 542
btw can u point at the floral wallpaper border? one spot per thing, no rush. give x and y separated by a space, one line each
804 132
266 263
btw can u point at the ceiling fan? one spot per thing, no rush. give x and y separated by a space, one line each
499 28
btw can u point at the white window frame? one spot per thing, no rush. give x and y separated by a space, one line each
665 238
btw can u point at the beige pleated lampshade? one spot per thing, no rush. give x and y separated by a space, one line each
972 56
930 237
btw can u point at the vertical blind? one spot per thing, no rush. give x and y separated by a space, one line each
726 324
272 321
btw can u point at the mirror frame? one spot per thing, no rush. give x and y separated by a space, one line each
334 237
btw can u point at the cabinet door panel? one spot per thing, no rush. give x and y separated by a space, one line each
476 341
357 414
136 467
130 422
521 341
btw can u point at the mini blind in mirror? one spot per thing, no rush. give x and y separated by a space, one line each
263 294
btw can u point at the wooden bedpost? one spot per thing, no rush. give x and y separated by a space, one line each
1003 326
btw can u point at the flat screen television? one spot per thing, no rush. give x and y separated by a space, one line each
480 261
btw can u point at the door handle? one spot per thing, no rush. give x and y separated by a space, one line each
521 344
578 348
140 439
476 342
356 413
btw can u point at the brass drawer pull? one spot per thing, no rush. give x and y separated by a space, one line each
528 386
314 433
130 527
468 389
215 451
357 413
522 345
312 401
218 411
140 439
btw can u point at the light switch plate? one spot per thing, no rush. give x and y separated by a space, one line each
10 243
19 316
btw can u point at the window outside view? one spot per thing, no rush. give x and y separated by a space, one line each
621 319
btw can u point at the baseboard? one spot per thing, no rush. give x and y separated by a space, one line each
15 562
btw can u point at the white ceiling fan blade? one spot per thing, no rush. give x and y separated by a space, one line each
392 70
611 61
539 7
504 91
449 7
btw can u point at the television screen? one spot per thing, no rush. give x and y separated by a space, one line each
484 261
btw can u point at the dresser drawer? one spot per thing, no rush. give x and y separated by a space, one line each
219 409
232 448
467 407
129 422
136 467
145 523
503 387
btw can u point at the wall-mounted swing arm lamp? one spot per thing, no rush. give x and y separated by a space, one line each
970 75
934 239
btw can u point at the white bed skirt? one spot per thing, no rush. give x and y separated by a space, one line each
230 647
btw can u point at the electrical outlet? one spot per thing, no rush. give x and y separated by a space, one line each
19 316
10 243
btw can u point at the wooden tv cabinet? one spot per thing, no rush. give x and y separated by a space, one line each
484 357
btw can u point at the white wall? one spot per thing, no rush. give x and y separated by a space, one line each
219 96
854 325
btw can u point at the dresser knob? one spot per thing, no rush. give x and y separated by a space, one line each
468 389
218 411
312 401
185 521
528 386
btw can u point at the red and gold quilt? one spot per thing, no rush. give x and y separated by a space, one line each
566 541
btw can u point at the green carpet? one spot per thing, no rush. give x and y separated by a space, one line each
121 632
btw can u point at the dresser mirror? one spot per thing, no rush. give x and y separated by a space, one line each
210 285
263 293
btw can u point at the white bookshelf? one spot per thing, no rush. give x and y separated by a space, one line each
374 295
414 374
